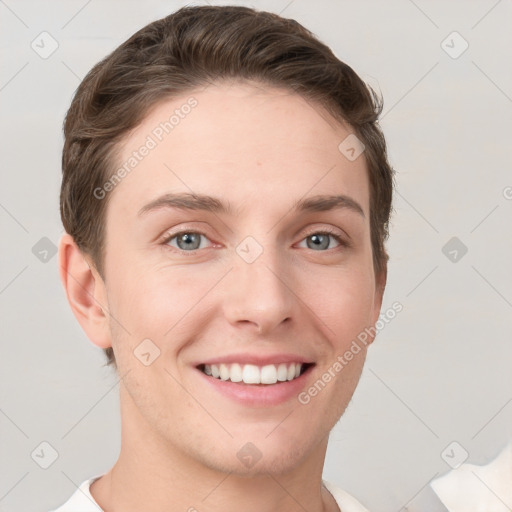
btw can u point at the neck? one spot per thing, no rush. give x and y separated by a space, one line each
151 474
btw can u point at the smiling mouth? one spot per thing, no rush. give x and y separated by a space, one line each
252 374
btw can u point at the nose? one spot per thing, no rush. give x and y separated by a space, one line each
259 294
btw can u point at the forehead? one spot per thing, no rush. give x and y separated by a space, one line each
238 140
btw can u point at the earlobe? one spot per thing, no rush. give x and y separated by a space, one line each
85 291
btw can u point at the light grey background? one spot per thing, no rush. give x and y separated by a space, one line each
439 372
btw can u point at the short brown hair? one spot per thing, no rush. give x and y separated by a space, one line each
191 48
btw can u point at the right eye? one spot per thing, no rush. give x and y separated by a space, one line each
185 241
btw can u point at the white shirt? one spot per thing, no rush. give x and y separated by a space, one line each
82 500
478 488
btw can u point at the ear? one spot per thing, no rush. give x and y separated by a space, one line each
85 291
380 285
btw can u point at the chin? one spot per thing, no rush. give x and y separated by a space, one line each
260 457
275 465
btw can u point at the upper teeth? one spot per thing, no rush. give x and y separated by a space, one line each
252 374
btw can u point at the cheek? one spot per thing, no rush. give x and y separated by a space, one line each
344 303
159 303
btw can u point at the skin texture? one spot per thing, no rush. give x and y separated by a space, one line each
260 149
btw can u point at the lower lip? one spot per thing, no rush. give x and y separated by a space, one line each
259 395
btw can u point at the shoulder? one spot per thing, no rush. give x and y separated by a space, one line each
345 501
81 500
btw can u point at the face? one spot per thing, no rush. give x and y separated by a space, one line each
229 263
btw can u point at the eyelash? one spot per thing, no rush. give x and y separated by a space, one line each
327 231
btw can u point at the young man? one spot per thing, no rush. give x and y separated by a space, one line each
226 197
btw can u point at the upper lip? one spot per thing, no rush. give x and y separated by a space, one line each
256 359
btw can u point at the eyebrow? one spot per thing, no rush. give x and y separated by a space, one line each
189 201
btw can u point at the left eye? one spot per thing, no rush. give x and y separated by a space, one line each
320 241
186 240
